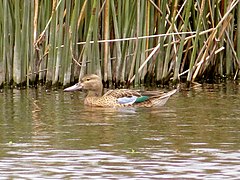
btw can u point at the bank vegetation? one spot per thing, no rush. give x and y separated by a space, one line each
125 42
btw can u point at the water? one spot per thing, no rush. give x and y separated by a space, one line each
51 135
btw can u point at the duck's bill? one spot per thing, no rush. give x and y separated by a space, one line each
75 87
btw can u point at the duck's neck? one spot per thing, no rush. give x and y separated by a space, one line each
96 90
94 93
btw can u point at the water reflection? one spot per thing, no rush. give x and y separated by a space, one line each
51 135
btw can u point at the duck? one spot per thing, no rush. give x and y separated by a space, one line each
118 97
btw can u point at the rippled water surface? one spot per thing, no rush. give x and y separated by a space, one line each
51 135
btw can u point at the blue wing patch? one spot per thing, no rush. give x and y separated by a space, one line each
127 100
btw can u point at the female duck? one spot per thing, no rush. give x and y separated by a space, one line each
118 97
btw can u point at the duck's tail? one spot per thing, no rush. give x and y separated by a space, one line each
161 100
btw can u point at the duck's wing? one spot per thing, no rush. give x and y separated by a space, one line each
138 98
151 93
130 97
124 96
119 93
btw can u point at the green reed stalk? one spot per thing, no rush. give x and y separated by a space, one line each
151 42
52 46
10 53
181 45
142 54
41 43
70 63
87 53
125 21
25 42
169 47
118 52
135 59
233 54
195 44
69 33
141 45
5 44
220 61
96 68
31 62
17 67
128 22
138 44
229 53
146 42
79 34
161 30
59 41
238 33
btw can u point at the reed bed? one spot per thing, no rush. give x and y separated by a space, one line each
125 42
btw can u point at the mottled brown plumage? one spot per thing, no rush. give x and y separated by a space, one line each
119 97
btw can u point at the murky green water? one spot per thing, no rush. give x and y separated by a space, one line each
51 135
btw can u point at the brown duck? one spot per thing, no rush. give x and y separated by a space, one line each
118 97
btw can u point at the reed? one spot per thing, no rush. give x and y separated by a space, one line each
126 42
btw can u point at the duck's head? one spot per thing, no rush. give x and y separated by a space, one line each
91 83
